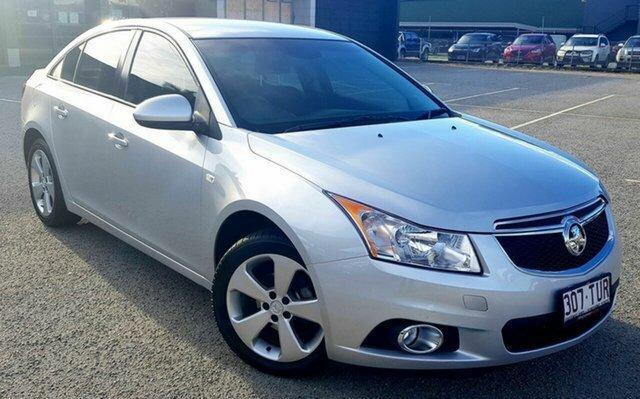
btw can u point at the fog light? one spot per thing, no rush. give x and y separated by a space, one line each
420 339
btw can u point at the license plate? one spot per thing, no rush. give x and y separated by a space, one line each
581 300
461 57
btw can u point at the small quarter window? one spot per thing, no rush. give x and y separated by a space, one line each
69 63
55 71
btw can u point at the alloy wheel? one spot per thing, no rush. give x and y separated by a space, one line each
42 183
274 309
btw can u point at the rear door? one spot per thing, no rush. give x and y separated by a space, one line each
158 175
604 48
549 47
412 42
80 107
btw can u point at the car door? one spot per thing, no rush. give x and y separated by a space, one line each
412 42
157 174
80 109
549 48
603 49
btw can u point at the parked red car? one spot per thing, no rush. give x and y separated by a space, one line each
535 48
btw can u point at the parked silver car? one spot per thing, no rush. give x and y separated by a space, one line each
334 207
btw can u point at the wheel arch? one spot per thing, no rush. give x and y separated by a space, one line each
31 134
244 217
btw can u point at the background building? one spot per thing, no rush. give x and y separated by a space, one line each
448 19
32 31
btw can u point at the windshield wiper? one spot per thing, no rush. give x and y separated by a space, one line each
432 114
362 120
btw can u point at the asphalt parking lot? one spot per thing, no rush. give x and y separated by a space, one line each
84 315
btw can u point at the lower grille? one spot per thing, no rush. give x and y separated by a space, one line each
547 252
531 333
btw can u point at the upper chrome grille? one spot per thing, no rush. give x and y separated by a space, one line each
549 222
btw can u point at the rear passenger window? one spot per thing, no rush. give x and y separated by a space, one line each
99 61
158 69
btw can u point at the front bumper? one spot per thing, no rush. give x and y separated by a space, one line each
628 60
574 60
514 56
463 55
358 294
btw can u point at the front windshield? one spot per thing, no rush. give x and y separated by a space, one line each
471 39
528 39
582 41
281 85
633 42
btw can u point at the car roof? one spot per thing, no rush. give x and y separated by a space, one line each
591 36
210 28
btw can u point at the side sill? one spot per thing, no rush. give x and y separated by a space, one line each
139 245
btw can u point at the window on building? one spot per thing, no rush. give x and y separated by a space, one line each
98 64
159 69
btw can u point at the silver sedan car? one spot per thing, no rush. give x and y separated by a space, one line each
334 207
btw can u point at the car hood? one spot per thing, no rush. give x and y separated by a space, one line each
466 46
524 47
461 179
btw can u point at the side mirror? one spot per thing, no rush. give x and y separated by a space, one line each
167 112
621 44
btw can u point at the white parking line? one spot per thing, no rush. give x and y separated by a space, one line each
632 181
9 101
481 95
537 111
564 111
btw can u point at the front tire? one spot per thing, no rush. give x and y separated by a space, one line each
44 185
266 307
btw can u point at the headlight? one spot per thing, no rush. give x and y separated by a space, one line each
451 49
389 238
536 51
561 53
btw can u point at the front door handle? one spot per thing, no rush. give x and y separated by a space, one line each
118 140
61 111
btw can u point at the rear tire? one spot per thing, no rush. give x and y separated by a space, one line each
424 55
259 257
44 186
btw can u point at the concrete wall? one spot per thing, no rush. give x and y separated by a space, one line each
9 43
372 22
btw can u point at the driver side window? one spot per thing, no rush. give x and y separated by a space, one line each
158 69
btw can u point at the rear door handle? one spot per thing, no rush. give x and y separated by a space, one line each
118 140
61 111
